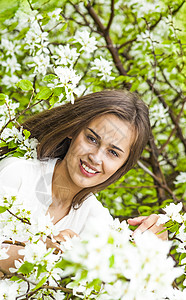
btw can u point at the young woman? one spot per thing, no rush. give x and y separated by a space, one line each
83 148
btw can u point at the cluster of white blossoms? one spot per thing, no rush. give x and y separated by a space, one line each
88 44
175 217
40 56
106 264
117 268
181 178
12 136
103 67
7 111
158 114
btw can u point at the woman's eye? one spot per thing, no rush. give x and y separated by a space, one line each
91 138
114 153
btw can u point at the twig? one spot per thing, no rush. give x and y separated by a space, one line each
113 50
171 114
10 275
111 15
49 287
173 131
162 185
23 220
18 115
16 243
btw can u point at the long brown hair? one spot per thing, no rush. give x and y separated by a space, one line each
53 127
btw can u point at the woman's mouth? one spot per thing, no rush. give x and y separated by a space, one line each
87 170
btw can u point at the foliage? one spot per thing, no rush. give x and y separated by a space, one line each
54 51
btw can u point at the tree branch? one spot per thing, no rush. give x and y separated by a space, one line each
163 186
178 8
23 220
171 114
174 129
113 50
111 15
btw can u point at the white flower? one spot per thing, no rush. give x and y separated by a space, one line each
34 253
41 63
7 111
8 290
11 64
162 219
65 55
12 134
42 48
182 233
25 17
55 14
172 211
158 114
68 79
104 67
181 178
10 81
67 76
88 43
43 224
3 252
36 38
10 47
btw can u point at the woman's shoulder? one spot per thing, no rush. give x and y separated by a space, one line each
17 163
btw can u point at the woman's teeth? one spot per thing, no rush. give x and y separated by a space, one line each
88 169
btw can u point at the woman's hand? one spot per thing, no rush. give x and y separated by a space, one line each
60 238
149 223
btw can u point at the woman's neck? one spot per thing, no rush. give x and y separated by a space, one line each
63 189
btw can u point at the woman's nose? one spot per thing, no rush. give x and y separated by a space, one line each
96 158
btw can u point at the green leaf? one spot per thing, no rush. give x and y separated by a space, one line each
60 264
2 99
45 20
40 269
58 91
15 278
63 27
22 33
44 94
26 268
25 85
12 26
50 77
3 209
53 100
3 144
182 256
174 228
26 134
11 145
42 281
111 260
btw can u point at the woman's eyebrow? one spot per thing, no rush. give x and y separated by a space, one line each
99 138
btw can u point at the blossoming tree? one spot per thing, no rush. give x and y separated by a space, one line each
51 52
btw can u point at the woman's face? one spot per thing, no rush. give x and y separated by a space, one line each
98 151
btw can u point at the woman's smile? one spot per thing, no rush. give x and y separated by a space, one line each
87 170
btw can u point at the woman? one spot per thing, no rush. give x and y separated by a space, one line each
83 148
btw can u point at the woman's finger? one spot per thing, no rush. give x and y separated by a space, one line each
147 223
137 220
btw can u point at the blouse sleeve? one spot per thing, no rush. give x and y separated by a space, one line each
10 175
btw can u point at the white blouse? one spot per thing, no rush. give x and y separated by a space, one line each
31 180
